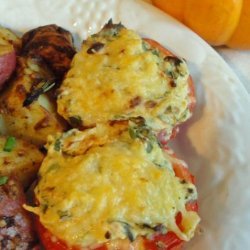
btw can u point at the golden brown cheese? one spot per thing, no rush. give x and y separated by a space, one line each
115 184
117 75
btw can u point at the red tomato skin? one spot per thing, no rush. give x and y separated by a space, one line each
167 242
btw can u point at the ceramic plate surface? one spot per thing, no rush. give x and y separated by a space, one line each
215 142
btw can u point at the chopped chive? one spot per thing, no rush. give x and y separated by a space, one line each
155 52
149 147
3 180
63 214
57 145
132 133
41 88
128 231
9 144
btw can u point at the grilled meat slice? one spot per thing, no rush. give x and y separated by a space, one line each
15 224
52 44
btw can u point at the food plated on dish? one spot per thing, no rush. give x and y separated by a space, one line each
108 179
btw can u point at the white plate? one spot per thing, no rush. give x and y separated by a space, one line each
215 143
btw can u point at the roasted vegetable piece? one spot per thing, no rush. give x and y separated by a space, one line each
52 44
8 36
9 42
16 230
19 158
24 114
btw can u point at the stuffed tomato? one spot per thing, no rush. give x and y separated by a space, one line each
118 75
113 187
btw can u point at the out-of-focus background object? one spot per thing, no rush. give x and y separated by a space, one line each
225 22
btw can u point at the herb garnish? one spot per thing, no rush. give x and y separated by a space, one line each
57 145
63 214
3 180
128 232
9 144
40 89
142 132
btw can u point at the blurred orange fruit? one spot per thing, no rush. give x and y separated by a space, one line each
241 35
223 22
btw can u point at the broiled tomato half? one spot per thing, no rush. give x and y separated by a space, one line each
169 241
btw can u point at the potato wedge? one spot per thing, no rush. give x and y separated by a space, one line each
22 160
8 37
53 44
33 122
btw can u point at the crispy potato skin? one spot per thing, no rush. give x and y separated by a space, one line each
23 161
52 44
34 122
16 230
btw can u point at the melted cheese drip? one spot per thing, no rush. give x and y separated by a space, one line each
113 187
124 79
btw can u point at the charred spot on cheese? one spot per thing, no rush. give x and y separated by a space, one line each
118 74
104 185
75 121
95 48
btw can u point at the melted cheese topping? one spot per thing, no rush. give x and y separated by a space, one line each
117 75
114 185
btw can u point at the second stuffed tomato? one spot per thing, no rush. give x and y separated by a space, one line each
113 187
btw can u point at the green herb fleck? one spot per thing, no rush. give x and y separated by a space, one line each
132 132
63 214
145 46
52 167
57 145
41 88
9 144
155 52
3 180
149 147
128 231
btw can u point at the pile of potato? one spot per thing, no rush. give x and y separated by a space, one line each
31 69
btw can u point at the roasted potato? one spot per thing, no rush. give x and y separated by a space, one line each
52 44
7 36
19 158
22 113
9 42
